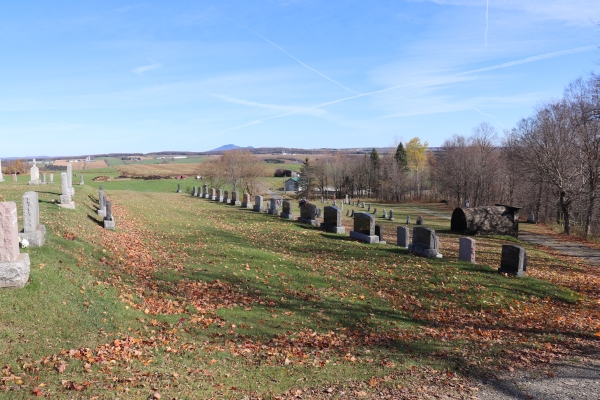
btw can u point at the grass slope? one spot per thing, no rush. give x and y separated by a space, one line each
195 299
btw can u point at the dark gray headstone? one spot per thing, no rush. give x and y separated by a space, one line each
402 234
379 233
425 242
332 220
420 220
514 260
364 223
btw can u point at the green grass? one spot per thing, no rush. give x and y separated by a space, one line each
310 309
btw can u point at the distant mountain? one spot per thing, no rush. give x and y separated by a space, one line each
230 147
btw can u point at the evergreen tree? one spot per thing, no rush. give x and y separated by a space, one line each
401 157
375 159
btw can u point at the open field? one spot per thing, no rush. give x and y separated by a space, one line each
194 299
159 169
82 165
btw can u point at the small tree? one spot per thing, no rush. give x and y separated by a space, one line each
401 158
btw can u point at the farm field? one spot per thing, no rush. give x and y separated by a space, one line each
190 298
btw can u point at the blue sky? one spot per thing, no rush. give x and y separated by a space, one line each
89 77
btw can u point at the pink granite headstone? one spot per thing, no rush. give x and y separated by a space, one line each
9 232
466 249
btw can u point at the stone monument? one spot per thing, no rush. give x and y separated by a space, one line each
514 260
1 177
466 249
14 266
44 179
109 220
206 193
308 214
219 196
34 174
364 228
425 242
258 204
226 197
178 188
51 178
81 180
32 230
379 233
101 202
246 202
70 178
287 210
402 235
391 217
273 207
66 201
332 220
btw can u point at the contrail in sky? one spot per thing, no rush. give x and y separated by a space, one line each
493 67
288 54
487 6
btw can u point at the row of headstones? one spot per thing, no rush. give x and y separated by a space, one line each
425 241
14 265
105 210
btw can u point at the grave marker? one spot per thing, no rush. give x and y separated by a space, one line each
273 207
403 238
364 228
308 214
235 199
65 198
466 249
258 204
101 202
246 202
332 220
425 242
379 233
109 220
32 230
34 173
514 260
1 177
81 180
70 178
14 266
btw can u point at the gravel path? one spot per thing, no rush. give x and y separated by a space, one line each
591 256
573 380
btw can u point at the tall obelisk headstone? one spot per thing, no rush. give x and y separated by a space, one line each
1 177
32 230
14 266
65 198
70 179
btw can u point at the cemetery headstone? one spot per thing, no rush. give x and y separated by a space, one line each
32 231
408 220
364 228
219 196
514 260
246 202
402 234
226 197
109 220
352 213
51 178
101 202
44 179
379 233
34 174
374 211
194 191
235 199
308 214
213 194
81 180
319 212
420 220
369 209
258 204
206 193
347 200
273 207
332 220
531 218
347 213
362 205
286 211
70 178
466 249
425 242
1 177
178 188
15 177
66 200
14 266
199 192
384 215
391 217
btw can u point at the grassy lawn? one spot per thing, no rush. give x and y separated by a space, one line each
194 299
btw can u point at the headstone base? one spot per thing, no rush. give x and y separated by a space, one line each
429 253
109 224
333 228
218 199
225 200
246 205
70 205
36 238
364 238
312 222
36 182
15 274
511 272
258 208
273 211
287 216
178 191
81 183
235 202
